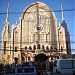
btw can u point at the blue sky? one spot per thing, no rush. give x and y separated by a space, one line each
20 5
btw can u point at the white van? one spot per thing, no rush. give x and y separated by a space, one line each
64 66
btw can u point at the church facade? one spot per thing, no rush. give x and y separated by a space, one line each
37 32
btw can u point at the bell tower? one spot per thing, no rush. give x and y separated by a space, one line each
67 35
6 39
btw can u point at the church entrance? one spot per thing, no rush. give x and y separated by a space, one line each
41 63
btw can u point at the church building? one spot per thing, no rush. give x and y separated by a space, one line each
37 32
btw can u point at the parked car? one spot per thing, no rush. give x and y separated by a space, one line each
23 70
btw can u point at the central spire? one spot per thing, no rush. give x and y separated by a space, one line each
7 13
62 13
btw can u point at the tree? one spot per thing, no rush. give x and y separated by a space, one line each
41 57
7 68
1 67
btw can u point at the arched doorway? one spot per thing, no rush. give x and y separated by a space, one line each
34 47
43 48
25 47
30 48
38 46
40 59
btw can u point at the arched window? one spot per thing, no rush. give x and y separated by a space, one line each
61 48
25 47
15 49
4 47
47 48
43 47
55 49
30 48
34 47
29 58
38 46
51 47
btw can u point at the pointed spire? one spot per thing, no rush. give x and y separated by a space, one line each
62 12
7 13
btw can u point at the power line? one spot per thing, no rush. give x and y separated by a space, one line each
29 49
18 41
41 12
